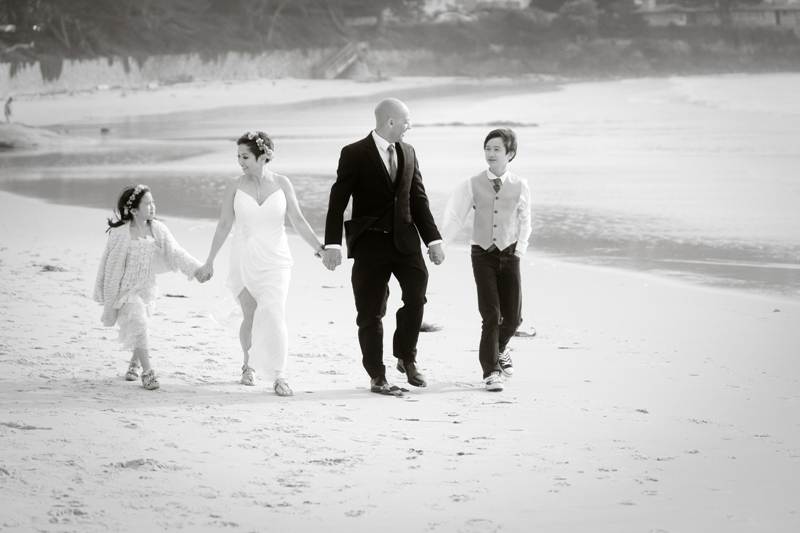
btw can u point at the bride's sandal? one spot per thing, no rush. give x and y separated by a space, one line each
282 388
132 374
248 376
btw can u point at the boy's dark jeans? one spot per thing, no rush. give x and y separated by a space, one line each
499 301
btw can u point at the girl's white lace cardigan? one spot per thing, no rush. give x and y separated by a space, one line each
112 264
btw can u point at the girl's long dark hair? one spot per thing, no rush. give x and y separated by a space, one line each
123 211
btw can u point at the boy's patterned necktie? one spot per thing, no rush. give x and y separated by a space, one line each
392 163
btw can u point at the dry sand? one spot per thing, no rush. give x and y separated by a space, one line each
641 405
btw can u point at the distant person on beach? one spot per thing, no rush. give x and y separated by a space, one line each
501 202
257 202
390 213
7 109
138 248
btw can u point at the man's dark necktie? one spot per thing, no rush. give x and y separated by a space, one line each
392 163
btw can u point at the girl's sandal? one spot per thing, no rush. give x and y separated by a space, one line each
282 388
248 376
132 374
149 380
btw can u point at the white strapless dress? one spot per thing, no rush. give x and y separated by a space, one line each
261 262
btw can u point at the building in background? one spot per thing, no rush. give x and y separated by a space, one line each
437 8
779 14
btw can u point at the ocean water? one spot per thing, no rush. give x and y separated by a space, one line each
690 177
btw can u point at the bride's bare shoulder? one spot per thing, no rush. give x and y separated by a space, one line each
282 180
232 185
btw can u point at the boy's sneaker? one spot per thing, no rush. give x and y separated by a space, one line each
504 364
149 380
132 374
493 382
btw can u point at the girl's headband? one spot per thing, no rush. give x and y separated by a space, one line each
139 188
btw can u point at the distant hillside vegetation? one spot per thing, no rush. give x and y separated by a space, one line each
575 38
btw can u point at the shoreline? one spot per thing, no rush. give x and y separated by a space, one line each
739 275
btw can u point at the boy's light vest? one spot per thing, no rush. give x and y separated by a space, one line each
495 212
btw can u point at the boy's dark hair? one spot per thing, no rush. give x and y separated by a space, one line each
508 137
256 141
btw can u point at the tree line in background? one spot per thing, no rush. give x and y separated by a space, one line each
561 36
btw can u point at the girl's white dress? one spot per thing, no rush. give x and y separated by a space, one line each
137 294
261 262
126 279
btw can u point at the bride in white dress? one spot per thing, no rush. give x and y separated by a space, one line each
260 269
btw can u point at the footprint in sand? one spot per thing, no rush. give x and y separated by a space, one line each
478 525
64 515
414 454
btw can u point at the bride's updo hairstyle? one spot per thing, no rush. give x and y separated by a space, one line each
259 143
129 199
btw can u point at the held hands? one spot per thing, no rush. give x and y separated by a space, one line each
436 254
204 273
331 258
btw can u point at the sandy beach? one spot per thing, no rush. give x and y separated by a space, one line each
642 404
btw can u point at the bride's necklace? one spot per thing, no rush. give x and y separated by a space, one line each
258 189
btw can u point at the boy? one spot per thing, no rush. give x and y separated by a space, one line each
501 201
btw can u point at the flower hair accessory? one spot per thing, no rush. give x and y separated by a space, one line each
261 143
139 188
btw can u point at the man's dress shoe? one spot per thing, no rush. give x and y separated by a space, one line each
378 384
413 374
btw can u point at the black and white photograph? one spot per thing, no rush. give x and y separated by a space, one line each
442 266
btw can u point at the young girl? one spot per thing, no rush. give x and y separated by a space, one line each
138 248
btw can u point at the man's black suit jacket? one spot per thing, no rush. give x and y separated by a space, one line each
404 204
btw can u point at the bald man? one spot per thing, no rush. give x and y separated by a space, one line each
390 214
